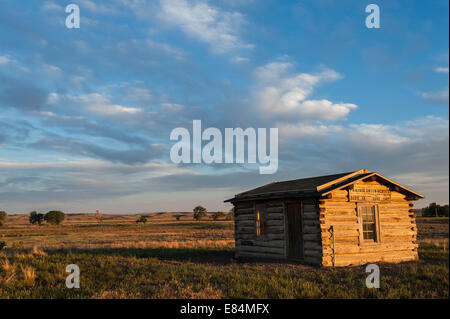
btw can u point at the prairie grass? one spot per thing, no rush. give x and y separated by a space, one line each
29 275
186 259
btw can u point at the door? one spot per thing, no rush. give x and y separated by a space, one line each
294 230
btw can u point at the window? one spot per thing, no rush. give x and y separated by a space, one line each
260 218
369 221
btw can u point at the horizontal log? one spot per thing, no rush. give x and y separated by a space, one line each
361 260
355 249
340 226
278 203
261 243
393 206
398 213
275 228
339 192
245 236
338 212
311 222
306 216
257 249
245 223
312 237
308 208
340 219
374 256
275 216
259 255
311 229
277 209
241 206
338 205
242 211
244 217
312 260
341 233
312 246
244 230
312 253
387 226
353 241
397 232
275 222
405 220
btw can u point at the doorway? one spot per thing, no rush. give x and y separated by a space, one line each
294 230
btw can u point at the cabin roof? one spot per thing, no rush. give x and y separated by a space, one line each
314 186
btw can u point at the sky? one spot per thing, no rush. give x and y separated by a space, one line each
86 113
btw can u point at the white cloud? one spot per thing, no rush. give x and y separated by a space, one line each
286 95
95 103
52 70
239 59
50 5
4 59
205 23
439 97
7 61
99 8
307 131
441 69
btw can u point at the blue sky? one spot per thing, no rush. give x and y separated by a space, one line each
86 113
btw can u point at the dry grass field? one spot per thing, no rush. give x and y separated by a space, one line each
170 258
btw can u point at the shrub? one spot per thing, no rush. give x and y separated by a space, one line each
230 215
142 220
217 215
3 217
54 217
2 245
199 212
434 210
18 244
36 218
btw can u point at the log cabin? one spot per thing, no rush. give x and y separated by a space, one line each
336 220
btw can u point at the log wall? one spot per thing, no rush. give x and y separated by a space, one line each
397 241
312 245
271 245
398 231
274 243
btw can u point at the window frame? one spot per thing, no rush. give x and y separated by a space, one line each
362 241
260 223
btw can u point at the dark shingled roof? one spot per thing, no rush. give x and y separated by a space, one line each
297 187
302 184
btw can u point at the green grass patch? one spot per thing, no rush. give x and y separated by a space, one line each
211 273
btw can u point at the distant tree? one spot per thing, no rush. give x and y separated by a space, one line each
177 217
3 216
98 216
54 217
36 218
217 215
199 212
141 220
434 210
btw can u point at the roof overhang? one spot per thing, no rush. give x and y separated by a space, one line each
326 188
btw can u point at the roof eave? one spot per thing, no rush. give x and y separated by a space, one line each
272 196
